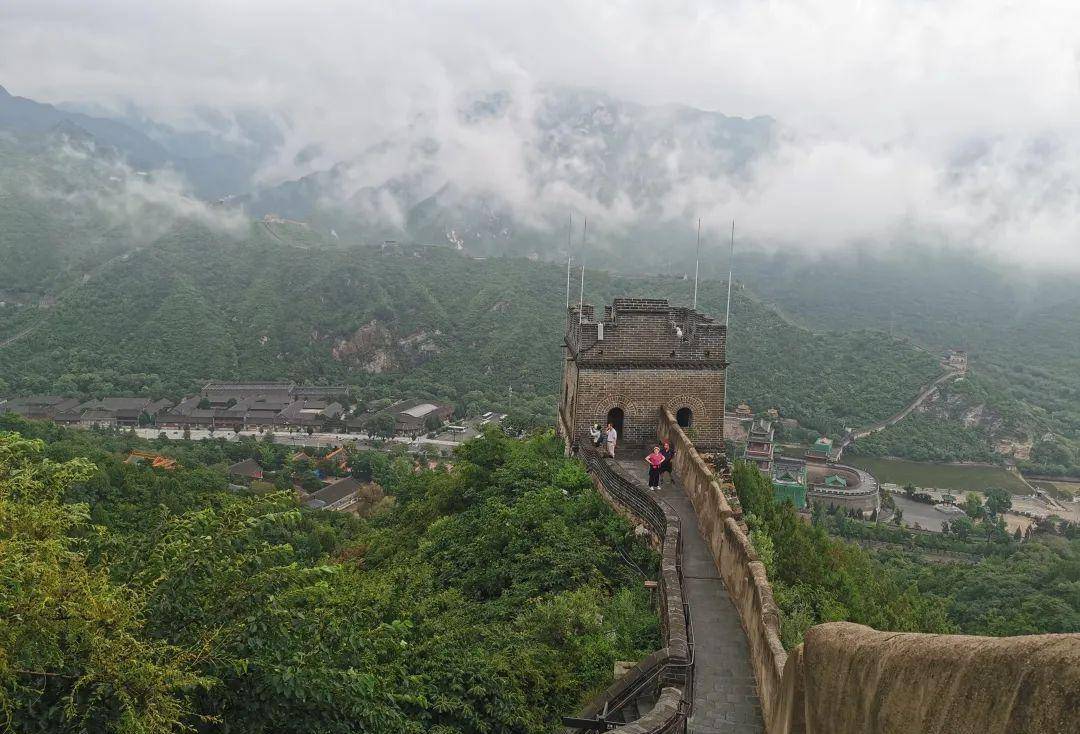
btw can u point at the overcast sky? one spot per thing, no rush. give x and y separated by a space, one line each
882 100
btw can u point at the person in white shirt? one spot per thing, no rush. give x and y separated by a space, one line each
595 434
612 437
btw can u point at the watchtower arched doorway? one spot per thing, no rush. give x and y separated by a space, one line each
615 417
684 417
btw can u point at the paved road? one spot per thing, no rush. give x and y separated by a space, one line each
725 693
300 438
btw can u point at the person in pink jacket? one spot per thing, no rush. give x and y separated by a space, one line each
655 460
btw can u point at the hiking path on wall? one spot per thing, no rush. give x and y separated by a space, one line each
725 693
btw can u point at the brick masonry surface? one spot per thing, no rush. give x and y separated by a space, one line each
644 354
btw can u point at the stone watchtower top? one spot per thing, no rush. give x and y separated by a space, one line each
641 355
644 332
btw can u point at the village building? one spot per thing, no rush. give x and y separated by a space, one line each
743 412
113 412
254 406
334 496
789 481
842 486
413 417
338 456
247 469
40 407
309 413
149 458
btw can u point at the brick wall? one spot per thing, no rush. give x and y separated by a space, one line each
642 355
640 393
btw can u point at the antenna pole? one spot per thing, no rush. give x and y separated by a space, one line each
581 295
697 260
569 256
731 268
727 318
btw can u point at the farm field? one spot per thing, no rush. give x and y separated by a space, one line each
1067 488
942 476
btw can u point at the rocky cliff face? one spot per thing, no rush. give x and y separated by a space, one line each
955 407
375 349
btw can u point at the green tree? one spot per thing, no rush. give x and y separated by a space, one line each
74 651
998 501
432 422
381 424
962 527
973 506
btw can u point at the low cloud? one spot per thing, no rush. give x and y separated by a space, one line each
897 120
139 206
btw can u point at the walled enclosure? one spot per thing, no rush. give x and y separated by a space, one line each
850 679
642 354
861 493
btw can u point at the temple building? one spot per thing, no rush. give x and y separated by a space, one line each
821 451
759 445
789 481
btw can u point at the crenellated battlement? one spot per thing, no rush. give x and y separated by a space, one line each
646 332
642 354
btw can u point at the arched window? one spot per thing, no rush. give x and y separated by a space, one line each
684 417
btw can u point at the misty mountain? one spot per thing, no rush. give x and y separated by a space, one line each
215 161
632 168
23 116
263 304
217 154
69 204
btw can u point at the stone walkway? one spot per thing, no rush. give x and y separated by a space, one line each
725 693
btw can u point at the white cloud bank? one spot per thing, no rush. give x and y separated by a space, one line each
904 119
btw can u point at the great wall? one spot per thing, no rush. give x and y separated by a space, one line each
844 678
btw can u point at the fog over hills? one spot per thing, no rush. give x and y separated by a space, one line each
818 126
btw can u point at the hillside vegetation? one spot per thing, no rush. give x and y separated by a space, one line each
495 597
1014 588
200 304
1021 330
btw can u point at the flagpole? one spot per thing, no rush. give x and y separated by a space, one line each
697 260
581 295
569 257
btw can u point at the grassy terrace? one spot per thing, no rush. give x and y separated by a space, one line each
944 476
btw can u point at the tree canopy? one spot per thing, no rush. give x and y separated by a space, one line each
493 597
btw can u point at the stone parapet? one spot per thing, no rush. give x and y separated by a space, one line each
850 678
670 666
738 564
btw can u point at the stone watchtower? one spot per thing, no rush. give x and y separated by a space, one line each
642 355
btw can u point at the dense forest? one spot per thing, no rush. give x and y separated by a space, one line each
1012 588
492 597
425 322
817 578
924 438
1020 329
